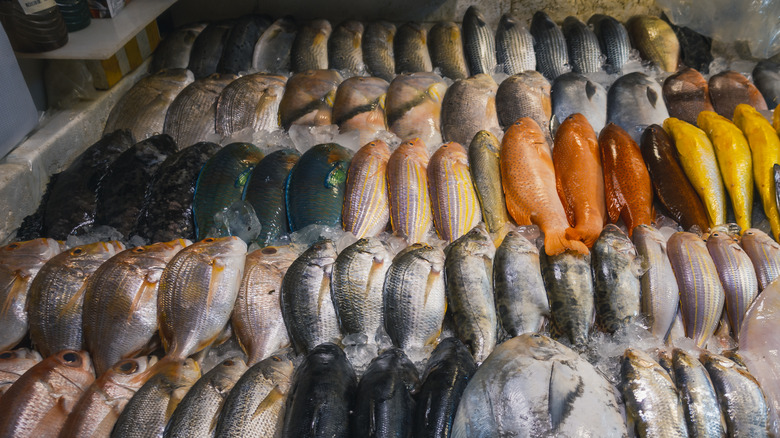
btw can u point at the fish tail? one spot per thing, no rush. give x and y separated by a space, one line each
558 242
582 234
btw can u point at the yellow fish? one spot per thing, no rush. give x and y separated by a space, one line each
776 119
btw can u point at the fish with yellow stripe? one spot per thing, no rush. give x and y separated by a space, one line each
455 204
485 169
407 186
366 209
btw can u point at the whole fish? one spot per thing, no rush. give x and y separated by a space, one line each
41 400
695 48
454 201
729 89
13 364
407 187
265 191
221 183
613 39
700 402
485 171
764 253
240 45
514 46
579 178
20 262
56 296
701 294
197 291
700 164
308 98
776 119
321 395
414 300
446 49
272 50
413 106
360 106
634 102
251 101
366 209
660 295
190 117
569 284
378 49
208 47
525 94
584 49
669 180
309 49
629 192
686 94
655 40
573 93
120 303
528 177
143 108
651 397
479 44
410 49
766 76
345 48
174 50
616 279
552 58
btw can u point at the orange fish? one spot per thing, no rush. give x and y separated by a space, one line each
627 185
528 177
579 179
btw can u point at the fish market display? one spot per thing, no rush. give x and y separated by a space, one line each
766 76
655 40
360 106
378 49
174 50
525 94
700 402
613 39
573 93
469 107
265 192
552 58
514 46
729 89
345 47
240 44
686 94
366 209
616 275
308 98
695 48
584 49
250 101
407 187
486 174
479 43
635 102
454 202
208 47
569 283
272 50
190 117
413 106
410 49
309 49
660 297
13 364
764 253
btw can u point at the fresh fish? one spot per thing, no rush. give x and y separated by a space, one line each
700 402
655 40
40 401
366 209
272 50
410 49
552 58
525 94
671 185
766 76
265 191
345 48
729 89
221 183
250 101
635 102
378 49
310 47
446 49
407 186
514 46
579 179
695 48
174 50
208 47
143 108
562 394
56 296
659 291
569 284
686 94
167 210
700 164
616 273
614 41
13 364
321 395
454 201
573 93
776 119
701 294
764 253
485 171
20 262
360 106
413 106
240 45
308 98
190 117
584 49
414 300
629 192
651 397
197 291
478 42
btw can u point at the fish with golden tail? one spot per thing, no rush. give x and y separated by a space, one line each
454 201
407 187
366 209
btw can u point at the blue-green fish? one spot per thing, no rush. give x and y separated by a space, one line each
265 191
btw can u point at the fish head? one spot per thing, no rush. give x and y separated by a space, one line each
131 373
18 361
219 251
616 239
36 250
716 361
682 360
74 366
278 367
92 252
519 243
322 253
232 368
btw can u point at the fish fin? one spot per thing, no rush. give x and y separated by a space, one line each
566 206
16 288
565 387
652 96
556 243
273 397
590 90
614 205
75 301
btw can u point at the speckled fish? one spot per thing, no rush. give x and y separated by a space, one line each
453 199
583 46
250 101
695 48
156 400
366 209
634 102
700 164
13 364
143 108
651 397
485 171
271 53
120 303
174 50
360 106
614 41
573 93
221 183
309 49
700 402
407 186
38 404
735 163
56 296
686 94
552 58
414 300
616 273
478 41
345 48
701 294
265 191
446 49
729 89
655 40
410 49
207 48
660 294
240 44
764 253
123 188
413 106
308 98
378 49
766 76
514 46
569 284
19 264
197 292
525 94
190 117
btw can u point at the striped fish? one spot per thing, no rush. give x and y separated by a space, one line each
366 207
407 185
455 204
765 255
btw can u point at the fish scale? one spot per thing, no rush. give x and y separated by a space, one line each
552 58
569 284
700 402
446 48
410 49
764 254
251 101
479 43
525 94
407 186
190 117
615 279
486 174
310 47
686 94
240 44
265 191
584 50
272 50
660 293
208 47
453 199
613 39
366 210
378 49
345 50
573 93
514 46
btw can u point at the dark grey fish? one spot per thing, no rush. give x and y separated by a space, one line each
240 44
479 42
525 94
378 49
766 76
569 285
573 93
514 46
695 48
174 50
310 47
207 48
634 102
614 41
272 50
445 45
345 48
411 50
584 49
265 191
552 58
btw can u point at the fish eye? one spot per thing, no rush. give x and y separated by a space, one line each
268 250
13 246
208 239
138 250
128 367
77 251
6 355
276 358
715 234
70 357
229 363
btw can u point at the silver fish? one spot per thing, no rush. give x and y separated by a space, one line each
514 46
573 93
479 42
614 41
345 48
525 94
616 272
250 101
569 285
584 49
552 58
410 49
272 50
13 364
700 401
378 49
469 107
174 50
310 47
635 102
660 294
765 255
190 117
